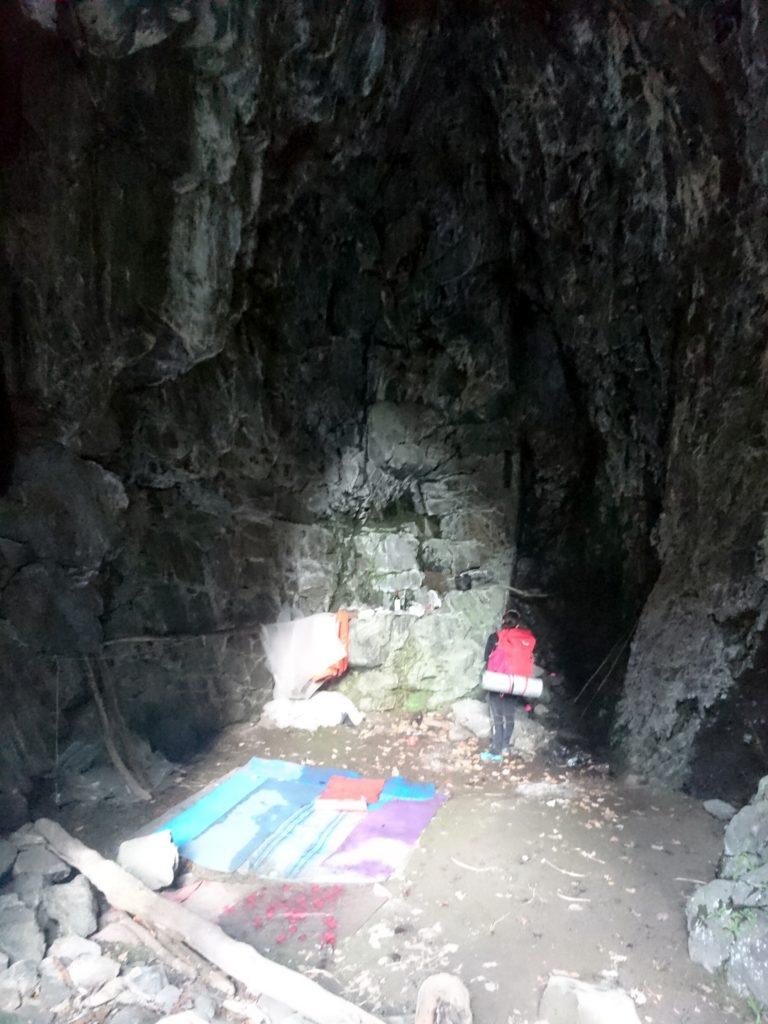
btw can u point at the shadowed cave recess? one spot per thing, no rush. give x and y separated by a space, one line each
304 303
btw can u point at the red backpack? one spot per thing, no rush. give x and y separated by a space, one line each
513 653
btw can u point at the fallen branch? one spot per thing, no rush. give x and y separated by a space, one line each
109 739
528 595
174 953
236 959
470 867
571 874
573 899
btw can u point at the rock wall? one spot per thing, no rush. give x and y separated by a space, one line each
299 300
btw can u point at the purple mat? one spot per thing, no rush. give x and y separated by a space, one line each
382 841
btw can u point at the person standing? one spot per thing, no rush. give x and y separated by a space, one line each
508 651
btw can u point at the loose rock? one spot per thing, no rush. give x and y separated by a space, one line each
72 906
569 1001
8 854
68 947
472 715
88 972
719 809
38 860
21 977
153 859
21 937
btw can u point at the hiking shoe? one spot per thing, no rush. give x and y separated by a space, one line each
488 756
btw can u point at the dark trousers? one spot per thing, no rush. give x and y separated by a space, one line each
502 710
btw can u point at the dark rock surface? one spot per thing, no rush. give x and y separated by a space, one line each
278 280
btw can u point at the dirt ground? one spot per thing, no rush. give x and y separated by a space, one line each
528 868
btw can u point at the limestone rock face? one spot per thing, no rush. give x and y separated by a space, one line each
295 315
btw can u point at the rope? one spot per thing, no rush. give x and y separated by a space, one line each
56 789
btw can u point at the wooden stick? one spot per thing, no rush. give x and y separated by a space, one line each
527 595
236 959
109 739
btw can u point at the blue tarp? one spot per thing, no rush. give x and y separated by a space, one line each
214 805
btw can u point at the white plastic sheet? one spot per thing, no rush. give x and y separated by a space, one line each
300 649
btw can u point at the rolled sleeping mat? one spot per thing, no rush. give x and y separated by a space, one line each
520 686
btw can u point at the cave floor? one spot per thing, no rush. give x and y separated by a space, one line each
584 875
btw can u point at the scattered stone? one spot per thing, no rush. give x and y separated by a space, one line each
29 888
132 1015
33 1012
185 1017
21 977
146 982
38 860
205 1006
8 854
569 1001
472 715
21 937
153 859
69 947
88 972
719 809
167 998
9 999
72 906
53 994
108 993
26 836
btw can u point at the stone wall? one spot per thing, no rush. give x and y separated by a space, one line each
292 294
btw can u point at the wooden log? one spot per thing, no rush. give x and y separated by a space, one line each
236 959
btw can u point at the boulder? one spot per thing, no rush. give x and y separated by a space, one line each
569 1001
712 914
21 937
88 972
38 860
72 906
153 859
747 968
719 809
472 715
747 831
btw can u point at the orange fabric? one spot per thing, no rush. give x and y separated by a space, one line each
340 787
339 667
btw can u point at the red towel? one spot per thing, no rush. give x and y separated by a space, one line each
355 792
